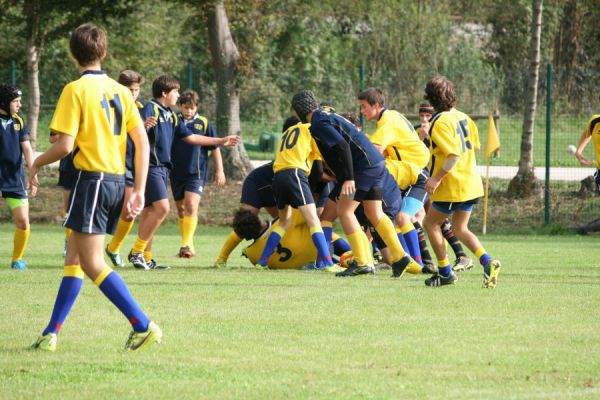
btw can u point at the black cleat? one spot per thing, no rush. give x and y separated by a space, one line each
400 266
440 280
429 269
354 269
153 265
137 259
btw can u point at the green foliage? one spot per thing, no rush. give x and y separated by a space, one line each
243 333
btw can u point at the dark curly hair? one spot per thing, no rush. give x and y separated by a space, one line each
246 224
440 92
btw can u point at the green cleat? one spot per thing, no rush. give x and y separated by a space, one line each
490 281
46 342
335 268
115 258
140 340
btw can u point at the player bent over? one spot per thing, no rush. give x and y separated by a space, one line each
14 146
94 114
455 185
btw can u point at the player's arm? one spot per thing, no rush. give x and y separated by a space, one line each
199 140
448 165
219 173
53 137
27 153
344 169
583 141
141 159
63 146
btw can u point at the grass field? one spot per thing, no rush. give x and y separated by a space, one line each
243 333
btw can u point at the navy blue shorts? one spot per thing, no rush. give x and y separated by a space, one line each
369 182
128 177
291 187
417 190
324 189
390 203
156 185
21 194
180 186
67 180
257 190
95 203
449 208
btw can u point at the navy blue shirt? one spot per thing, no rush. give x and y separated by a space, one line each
161 135
328 129
13 131
190 160
130 149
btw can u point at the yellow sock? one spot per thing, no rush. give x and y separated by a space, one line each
123 229
368 249
180 224
479 253
334 237
385 229
148 255
230 243
443 263
20 243
188 228
74 271
139 245
407 228
356 241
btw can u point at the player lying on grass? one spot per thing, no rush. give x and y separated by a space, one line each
294 251
455 185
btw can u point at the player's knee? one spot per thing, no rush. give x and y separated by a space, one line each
161 209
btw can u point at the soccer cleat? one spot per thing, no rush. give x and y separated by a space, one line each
490 281
354 269
115 258
333 268
46 342
440 280
462 263
141 340
377 256
404 264
429 269
311 266
19 265
185 252
154 265
137 259
261 267
220 263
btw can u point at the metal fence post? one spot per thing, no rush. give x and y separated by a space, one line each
548 131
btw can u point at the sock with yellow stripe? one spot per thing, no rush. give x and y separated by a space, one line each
411 237
401 239
113 287
69 289
484 259
327 231
385 229
444 267
357 240
188 228
340 245
123 229
318 238
271 244
230 243
20 243
148 255
139 245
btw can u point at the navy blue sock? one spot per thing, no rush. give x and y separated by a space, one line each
68 291
117 291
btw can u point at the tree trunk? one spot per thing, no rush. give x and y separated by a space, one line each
225 56
34 47
525 184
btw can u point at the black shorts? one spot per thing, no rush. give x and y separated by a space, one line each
95 203
291 187
156 185
128 177
417 190
256 193
324 189
180 186
67 180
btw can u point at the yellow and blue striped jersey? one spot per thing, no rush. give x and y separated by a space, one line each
592 128
296 149
98 112
454 133
396 135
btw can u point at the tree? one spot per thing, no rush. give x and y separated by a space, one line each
225 57
525 184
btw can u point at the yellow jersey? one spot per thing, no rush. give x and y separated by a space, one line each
396 135
404 173
98 112
592 128
297 149
295 250
454 133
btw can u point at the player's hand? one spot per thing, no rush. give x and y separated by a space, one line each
220 178
432 184
583 159
231 140
33 179
348 188
424 132
150 122
135 204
